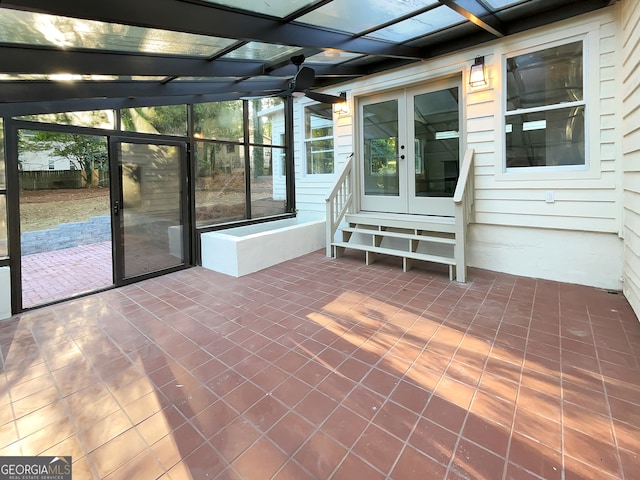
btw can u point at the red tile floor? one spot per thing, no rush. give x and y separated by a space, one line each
328 369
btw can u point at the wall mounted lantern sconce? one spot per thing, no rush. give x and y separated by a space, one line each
477 74
341 108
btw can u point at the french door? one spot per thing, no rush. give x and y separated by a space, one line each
92 210
410 146
148 207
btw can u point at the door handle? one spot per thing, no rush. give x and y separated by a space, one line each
116 207
401 157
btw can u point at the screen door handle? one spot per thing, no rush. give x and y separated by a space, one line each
116 207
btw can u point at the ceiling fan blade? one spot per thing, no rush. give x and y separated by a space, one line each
284 93
325 97
258 97
304 79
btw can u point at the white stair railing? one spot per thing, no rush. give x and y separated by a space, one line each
339 202
463 200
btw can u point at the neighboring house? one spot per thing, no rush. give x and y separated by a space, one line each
274 116
44 161
554 131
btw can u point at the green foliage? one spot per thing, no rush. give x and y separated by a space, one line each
163 120
88 118
383 154
219 120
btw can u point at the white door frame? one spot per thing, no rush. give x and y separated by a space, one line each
406 200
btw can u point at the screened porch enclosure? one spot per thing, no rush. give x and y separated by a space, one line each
220 76
157 124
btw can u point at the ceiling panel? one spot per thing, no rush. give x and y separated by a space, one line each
420 25
261 51
19 27
332 56
500 4
275 8
164 50
348 15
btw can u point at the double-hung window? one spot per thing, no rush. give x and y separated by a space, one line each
318 138
545 108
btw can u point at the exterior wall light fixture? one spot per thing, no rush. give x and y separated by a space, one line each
341 108
477 77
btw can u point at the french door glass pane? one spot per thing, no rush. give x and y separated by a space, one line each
436 143
381 148
151 216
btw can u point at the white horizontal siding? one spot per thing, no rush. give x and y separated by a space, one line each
630 17
576 195
603 225
631 160
591 209
312 190
523 193
485 180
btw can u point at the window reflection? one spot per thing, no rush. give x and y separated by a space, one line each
268 183
318 136
550 138
545 109
162 120
91 118
219 120
266 121
381 148
546 77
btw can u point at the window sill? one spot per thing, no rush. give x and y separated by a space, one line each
549 173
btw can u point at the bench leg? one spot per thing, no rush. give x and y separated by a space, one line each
370 257
406 264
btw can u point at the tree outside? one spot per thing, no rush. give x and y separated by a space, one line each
87 153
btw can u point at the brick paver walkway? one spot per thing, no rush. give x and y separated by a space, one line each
60 274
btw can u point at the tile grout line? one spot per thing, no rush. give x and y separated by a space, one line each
606 396
420 415
385 400
450 466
